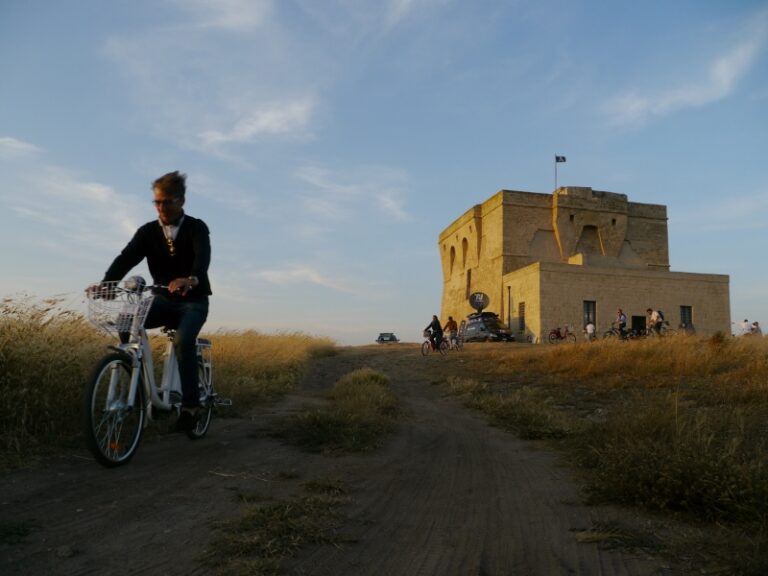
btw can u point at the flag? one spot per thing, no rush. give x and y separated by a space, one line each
559 158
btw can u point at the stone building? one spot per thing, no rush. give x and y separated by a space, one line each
547 260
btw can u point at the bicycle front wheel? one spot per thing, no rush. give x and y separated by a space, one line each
444 347
112 425
207 400
571 338
426 348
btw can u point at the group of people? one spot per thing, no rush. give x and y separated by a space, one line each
752 329
436 331
654 324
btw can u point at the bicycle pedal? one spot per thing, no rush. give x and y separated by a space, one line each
222 402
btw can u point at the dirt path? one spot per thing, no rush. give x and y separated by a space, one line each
447 495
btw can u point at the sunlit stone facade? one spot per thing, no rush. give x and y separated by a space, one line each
546 260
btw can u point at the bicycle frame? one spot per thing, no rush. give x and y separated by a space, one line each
142 364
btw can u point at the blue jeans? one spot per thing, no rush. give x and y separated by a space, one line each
187 318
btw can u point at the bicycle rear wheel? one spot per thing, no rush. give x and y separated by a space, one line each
444 347
553 337
571 338
113 427
207 400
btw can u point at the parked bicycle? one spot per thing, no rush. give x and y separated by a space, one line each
559 334
122 395
427 346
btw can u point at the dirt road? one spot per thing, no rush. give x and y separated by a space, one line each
447 495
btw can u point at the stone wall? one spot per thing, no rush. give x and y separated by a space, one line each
555 251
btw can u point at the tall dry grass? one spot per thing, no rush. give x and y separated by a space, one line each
47 353
252 367
676 425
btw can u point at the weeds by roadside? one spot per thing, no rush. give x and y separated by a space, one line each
269 532
361 411
676 426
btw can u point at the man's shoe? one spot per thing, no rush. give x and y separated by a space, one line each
187 421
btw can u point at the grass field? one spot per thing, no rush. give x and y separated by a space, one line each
47 353
674 426
677 427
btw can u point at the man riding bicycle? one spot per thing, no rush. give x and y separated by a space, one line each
655 321
621 323
435 332
178 252
452 328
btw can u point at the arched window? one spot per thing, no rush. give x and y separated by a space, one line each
452 260
464 251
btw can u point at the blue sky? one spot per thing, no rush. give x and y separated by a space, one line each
328 142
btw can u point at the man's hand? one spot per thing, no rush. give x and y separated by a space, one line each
103 290
182 285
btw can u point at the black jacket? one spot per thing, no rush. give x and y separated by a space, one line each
192 255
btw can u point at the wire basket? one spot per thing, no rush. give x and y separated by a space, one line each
117 310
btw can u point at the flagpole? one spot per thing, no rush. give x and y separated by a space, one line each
555 173
558 159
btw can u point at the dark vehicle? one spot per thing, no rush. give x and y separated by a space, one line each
486 327
387 338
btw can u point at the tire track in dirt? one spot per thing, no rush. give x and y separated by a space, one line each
447 495
451 495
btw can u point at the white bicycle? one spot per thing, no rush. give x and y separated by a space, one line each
122 396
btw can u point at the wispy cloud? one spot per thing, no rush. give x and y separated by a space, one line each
72 209
232 15
724 74
12 148
198 85
737 213
334 196
271 119
302 274
399 10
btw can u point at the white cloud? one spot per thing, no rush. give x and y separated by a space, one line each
275 119
76 211
399 10
724 74
737 213
366 189
302 274
11 148
227 14
390 202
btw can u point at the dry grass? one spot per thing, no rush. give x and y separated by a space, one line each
268 532
47 353
361 412
252 367
676 426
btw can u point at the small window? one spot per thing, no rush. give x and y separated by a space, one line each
686 316
590 312
521 316
469 283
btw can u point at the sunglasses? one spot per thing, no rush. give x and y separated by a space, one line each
170 202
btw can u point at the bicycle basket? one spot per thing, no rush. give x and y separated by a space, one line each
117 310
